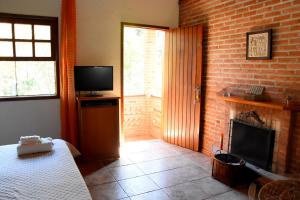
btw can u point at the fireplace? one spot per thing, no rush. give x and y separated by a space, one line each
253 143
274 116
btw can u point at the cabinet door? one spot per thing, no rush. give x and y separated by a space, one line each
99 131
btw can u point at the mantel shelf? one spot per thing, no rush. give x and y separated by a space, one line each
271 105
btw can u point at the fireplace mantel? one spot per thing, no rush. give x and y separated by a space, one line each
271 105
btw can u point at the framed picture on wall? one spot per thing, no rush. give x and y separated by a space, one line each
259 45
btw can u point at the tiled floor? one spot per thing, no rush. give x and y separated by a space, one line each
155 170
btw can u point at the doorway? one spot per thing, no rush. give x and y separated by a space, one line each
143 59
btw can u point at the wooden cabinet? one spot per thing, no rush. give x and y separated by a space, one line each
98 119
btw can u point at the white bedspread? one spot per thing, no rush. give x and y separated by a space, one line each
43 176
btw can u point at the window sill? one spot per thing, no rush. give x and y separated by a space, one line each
26 98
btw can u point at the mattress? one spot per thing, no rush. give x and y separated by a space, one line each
52 175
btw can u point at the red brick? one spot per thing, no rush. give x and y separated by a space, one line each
272 2
276 66
295 41
294 53
281 18
295 28
286 5
225 63
290 22
272 14
297 15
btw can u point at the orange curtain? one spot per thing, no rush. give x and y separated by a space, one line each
67 62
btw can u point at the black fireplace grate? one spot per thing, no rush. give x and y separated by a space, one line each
252 143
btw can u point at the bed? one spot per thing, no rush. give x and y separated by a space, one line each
52 175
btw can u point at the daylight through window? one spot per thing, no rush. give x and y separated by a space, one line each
28 57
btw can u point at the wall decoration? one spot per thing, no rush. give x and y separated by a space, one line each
259 45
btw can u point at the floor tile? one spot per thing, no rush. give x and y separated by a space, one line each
143 156
138 146
200 160
159 142
183 174
232 195
163 164
198 157
125 172
154 154
155 195
109 191
139 185
186 191
207 166
211 186
122 161
177 176
181 150
99 177
165 152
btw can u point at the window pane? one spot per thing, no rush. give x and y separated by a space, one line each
23 49
42 32
7 78
23 31
36 78
6 49
43 49
6 31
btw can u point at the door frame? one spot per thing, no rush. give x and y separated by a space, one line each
135 25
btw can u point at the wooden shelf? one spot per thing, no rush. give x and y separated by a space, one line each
271 105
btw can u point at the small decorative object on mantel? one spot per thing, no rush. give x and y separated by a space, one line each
259 45
256 90
288 100
224 92
230 91
291 96
255 93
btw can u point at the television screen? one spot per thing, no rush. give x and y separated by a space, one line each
93 78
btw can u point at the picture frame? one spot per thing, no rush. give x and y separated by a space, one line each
259 45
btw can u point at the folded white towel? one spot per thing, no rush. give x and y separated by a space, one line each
30 139
45 146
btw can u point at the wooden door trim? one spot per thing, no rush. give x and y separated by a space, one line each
137 25
145 26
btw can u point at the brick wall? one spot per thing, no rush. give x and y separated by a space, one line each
142 116
226 23
156 116
136 116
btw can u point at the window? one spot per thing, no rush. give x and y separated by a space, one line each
28 57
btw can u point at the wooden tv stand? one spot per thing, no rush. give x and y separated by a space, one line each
98 119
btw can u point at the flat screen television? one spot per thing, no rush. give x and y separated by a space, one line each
93 78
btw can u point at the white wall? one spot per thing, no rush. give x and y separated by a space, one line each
99 27
99 33
29 117
17 118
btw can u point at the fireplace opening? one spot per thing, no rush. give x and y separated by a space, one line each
253 143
